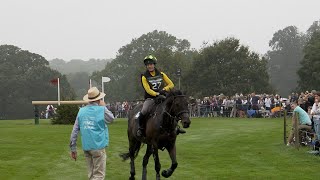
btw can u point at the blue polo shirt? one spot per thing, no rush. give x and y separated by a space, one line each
303 116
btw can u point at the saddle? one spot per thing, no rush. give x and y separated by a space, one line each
152 112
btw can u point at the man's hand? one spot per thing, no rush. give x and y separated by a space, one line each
102 103
73 155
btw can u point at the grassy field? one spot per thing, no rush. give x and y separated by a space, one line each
211 149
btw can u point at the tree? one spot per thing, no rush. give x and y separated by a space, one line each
126 68
309 73
77 65
227 67
284 58
66 114
25 77
79 81
313 28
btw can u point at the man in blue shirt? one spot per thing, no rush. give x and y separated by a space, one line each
304 120
92 122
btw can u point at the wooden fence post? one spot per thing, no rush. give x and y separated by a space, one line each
36 115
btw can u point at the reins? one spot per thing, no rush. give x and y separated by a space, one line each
177 114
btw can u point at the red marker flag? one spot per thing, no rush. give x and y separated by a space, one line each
54 81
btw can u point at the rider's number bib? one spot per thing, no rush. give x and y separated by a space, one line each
155 84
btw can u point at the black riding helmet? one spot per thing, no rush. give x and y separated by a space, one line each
150 59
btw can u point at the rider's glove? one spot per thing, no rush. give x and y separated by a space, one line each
163 92
160 98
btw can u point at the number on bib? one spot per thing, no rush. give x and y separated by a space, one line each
156 85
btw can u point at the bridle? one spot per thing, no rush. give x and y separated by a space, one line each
172 121
177 115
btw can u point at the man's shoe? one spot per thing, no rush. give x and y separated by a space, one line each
180 131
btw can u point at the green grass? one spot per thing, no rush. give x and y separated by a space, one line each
211 149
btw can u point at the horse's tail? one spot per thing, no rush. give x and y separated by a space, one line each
134 144
136 149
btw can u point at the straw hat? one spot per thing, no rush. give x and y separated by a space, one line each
93 95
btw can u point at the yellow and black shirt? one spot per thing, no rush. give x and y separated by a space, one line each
155 81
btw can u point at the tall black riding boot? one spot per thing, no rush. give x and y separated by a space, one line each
140 120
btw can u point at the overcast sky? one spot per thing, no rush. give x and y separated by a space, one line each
83 29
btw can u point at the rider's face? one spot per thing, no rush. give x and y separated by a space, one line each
150 67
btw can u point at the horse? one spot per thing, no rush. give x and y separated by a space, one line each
160 133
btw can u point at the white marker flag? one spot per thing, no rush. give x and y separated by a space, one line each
105 79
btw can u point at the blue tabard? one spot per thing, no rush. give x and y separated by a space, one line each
93 129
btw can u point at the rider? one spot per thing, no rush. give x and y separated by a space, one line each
153 83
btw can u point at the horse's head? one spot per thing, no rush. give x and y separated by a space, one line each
178 107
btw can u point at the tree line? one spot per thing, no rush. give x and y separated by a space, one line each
25 77
78 72
289 62
224 66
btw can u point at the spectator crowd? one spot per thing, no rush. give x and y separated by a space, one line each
250 105
238 105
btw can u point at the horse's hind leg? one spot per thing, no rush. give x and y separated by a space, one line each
145 162
132 150
172 152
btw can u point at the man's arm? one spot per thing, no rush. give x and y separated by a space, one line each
108 116
74 136
293 117
313 110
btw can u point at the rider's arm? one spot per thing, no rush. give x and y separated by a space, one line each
147 87
169 83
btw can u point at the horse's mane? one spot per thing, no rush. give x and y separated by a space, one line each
174 92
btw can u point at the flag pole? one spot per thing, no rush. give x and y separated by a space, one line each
102 86
104 79
58 92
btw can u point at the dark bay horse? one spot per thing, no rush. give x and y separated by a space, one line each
160 133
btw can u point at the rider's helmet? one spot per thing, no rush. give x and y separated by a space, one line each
150 59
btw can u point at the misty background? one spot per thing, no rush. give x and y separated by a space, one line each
221 47
80 29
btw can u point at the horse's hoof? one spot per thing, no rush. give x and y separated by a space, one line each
165 173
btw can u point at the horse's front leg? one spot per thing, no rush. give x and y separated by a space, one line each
172 152
157 165
132 168
145 162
